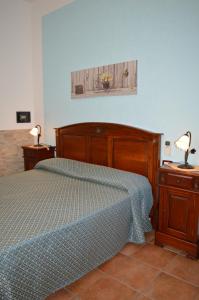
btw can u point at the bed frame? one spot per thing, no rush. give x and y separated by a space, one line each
113 145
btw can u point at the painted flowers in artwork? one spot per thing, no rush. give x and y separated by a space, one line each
105 80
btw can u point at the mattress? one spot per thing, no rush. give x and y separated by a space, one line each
64 218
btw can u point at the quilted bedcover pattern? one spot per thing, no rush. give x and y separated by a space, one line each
63 219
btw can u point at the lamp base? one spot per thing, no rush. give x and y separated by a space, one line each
185 166
38 145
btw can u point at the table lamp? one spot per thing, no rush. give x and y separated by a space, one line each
184 143
36 131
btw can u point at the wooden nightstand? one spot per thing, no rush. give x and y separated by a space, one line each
33 155
178 210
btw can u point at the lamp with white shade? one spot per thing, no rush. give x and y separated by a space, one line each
36 131
184 143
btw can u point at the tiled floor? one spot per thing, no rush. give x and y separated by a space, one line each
138 272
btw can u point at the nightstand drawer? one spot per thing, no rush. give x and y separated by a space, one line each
176 180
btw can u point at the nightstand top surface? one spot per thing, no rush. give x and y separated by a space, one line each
173 168
33 147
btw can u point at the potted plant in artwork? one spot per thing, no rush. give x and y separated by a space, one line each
105 80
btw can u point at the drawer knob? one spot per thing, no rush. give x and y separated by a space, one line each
162 178
196 185
178 180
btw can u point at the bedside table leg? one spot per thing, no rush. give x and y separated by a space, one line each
157 241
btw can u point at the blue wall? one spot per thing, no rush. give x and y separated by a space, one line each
161 35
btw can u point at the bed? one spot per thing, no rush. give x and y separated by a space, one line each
72 213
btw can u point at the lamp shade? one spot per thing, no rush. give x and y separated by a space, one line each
183 142
34 131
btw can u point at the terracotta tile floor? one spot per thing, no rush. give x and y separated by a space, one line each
138 272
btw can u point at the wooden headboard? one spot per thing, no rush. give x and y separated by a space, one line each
113 145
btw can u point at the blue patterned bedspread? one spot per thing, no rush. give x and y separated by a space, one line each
64 218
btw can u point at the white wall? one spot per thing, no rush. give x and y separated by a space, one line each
16 76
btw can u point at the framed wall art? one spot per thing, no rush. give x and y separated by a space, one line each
116 79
